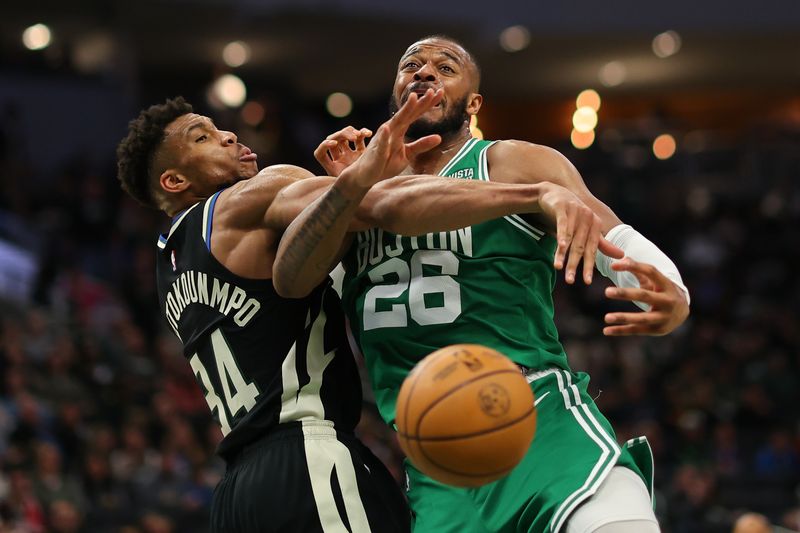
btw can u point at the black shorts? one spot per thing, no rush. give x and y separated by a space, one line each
303 478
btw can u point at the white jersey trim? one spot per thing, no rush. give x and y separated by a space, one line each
515 220
162 241
459 156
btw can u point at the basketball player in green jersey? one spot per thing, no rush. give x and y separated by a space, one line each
491 284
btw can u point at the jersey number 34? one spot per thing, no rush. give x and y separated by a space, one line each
239 394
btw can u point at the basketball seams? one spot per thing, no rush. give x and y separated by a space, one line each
450 391
468 474
474 433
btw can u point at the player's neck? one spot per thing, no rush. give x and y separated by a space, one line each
179 205
432 161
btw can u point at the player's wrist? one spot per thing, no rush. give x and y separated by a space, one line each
352 184
538 193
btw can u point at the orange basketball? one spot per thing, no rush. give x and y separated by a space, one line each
465 415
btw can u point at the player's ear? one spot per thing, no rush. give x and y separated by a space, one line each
172 181
474 103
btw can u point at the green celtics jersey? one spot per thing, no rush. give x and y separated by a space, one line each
488 284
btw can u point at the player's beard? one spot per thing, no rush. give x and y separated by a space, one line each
450 124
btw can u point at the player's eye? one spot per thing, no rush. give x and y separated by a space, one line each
410 64
201 138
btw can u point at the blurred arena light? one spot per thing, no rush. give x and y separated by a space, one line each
93 52
339 105
664 146
236 53
515 38
230 90
253 113
474 130
612 73
36 37
588 98
581 139
666 44
584 119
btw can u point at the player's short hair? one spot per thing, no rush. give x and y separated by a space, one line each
136 151
470 57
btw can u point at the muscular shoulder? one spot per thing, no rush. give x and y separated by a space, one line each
244 203
513 161
269 181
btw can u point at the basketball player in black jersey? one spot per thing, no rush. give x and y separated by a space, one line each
277 374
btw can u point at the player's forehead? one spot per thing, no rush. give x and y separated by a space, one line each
184 124
437 47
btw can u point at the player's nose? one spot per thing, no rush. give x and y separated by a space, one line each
425 73
228 137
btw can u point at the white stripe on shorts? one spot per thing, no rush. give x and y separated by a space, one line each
609 453
323 453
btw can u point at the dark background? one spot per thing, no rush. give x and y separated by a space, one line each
101 425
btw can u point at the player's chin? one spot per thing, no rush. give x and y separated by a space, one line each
248 169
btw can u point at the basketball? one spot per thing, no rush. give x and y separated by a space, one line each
465 415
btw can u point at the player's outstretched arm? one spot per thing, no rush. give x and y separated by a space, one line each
521 162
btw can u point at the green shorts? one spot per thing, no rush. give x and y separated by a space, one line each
572 452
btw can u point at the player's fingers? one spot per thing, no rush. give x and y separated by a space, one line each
349 133
405 111
650 272
610 250
340 149
583 222
653 318
382 138
590 252
362 137
632 294
642 275
646 282
422 145
563 239
427 101
627 330
322 153
415 107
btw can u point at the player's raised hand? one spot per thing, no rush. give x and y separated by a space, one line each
388 154
668 305
577 232
341 149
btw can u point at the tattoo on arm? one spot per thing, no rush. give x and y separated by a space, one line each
315 227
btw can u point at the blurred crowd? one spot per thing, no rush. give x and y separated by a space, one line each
103 428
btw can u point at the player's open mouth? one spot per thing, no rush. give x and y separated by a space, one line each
420 88
420 93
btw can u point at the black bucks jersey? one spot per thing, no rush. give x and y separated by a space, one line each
260 359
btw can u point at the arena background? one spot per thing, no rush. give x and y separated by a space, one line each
102 428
